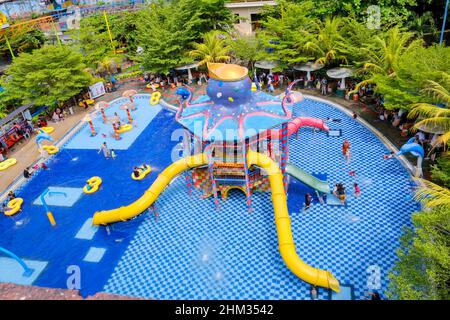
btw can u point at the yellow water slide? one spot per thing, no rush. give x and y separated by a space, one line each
286 244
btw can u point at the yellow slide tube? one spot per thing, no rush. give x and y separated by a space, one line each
286 244
149 196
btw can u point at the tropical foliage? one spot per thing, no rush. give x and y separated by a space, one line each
168 31
213 48
435 118
423 269
23 40
413 72
93 41
47 76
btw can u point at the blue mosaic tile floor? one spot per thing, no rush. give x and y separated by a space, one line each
142 116
196 252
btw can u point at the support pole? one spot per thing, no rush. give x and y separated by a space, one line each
9 47
109 31
56 33
187 152
284 151
211 174
247 175
269 143
443 23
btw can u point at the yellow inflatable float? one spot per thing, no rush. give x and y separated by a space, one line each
14 205
125 128
7 163
142 173
155 98
149 86
94 183
51 149
47 129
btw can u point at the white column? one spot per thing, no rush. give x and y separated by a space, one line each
342 84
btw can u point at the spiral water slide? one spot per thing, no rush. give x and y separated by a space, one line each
316 277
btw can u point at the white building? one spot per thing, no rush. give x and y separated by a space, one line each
248 13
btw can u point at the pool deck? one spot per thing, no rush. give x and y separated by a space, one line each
10 291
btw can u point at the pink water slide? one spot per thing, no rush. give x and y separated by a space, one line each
295 125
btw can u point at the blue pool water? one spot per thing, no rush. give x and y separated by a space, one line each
193 251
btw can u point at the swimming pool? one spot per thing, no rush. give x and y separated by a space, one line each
192 250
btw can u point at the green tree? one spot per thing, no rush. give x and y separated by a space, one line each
392 12
422 24
413 69
432 116
163 39
423 269
92 40
441 170
286 30
167 30
22 40
213 49
246 49
205 15
47 76
384 56
124 30
329 46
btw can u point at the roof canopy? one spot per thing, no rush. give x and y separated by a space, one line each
340 73
188 66
309 66
266 64
14 114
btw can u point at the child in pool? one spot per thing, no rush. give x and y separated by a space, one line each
113 154
389 156
357 190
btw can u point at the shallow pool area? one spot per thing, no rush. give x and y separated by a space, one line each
186 248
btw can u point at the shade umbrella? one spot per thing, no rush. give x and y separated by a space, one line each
127 106
340 73
188 67
130 93
266 64
87 118
309 67
101 106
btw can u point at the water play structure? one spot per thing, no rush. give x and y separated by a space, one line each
27 271
41 136
47 191
416 150
236 138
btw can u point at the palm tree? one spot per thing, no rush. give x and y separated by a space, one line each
106 65
329 45
384 53
432 116
388 50
213 49
433 195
